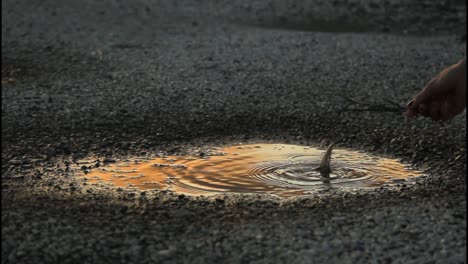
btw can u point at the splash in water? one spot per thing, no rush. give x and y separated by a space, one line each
278 169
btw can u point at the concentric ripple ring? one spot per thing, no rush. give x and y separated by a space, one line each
278 169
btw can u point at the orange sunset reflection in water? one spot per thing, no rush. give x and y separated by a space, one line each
279 169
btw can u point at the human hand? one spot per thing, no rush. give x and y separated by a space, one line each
444 97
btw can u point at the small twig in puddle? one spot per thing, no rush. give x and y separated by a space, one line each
324 167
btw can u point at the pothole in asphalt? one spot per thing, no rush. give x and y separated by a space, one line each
278 169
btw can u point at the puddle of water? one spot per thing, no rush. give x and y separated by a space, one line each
280 169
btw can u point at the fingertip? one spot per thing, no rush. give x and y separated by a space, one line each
410 113
410 104
418 99
423 109
425 93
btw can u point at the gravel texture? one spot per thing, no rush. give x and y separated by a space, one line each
130 78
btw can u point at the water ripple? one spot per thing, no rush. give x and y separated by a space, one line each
278 169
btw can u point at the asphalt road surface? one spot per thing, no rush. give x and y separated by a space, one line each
130 78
